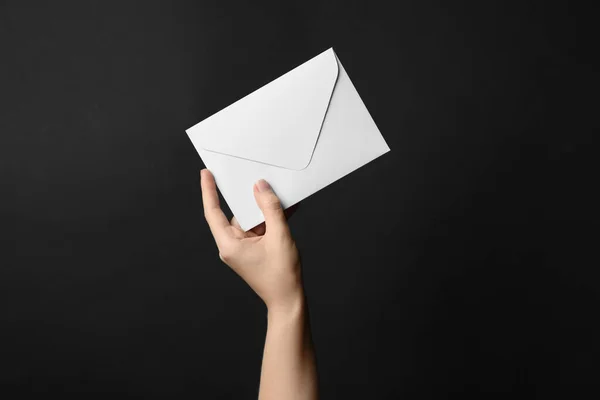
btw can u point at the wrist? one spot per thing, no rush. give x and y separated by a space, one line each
292 306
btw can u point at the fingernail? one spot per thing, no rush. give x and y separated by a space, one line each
263 185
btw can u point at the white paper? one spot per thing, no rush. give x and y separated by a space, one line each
300 132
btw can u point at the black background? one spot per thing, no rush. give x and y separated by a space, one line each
455 265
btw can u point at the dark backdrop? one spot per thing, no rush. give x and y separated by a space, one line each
453 266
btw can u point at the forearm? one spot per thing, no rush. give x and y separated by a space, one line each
288 367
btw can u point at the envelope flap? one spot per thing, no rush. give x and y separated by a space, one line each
278 124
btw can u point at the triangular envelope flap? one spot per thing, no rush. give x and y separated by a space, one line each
278 124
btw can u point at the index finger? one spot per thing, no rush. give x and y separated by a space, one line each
217 221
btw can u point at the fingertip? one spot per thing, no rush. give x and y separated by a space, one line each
262 185
256 195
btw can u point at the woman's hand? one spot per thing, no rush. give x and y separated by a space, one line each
266 257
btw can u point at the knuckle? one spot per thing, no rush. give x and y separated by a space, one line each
227 253
272 203
223 258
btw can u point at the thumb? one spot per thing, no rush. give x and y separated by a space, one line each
269 204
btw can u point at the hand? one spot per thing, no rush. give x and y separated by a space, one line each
265 257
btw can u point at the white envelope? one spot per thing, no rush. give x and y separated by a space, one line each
300 132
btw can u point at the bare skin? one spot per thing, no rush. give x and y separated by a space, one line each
266 258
